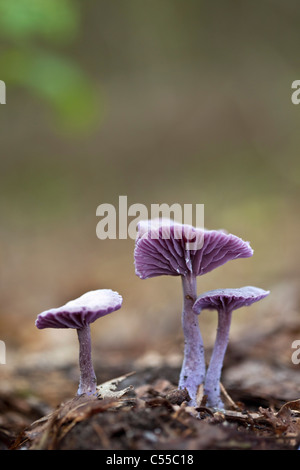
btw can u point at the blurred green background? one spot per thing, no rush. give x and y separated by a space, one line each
162 101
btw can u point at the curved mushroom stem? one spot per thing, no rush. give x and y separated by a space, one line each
88 379
193 368
213 376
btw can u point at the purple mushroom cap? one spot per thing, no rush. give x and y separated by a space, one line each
81 311
224 301
162 250
164 247
229 299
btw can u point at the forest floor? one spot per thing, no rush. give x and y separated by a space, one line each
139 406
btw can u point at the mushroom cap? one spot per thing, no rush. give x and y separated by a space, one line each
81 311
162 248
229 299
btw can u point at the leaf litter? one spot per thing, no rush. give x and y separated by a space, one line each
143 409
157 416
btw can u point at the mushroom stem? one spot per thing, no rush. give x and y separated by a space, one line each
88 379
193 368
213 376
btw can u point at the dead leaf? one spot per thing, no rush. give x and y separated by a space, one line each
291 405
107 389
283 423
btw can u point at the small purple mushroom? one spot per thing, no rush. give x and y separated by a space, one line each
165 247
224 301
78 314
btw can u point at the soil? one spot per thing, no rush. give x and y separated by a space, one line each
140 408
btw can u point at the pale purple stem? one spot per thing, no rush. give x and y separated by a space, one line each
213 376
193 368
88 379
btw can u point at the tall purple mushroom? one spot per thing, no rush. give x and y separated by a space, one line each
164 247
78 314
225 301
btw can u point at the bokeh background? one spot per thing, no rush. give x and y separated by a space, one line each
161 101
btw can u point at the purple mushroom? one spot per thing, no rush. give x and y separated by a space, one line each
224 301
78 314
165 247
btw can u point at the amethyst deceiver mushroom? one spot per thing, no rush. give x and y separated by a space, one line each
78 314
162 248
225 301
